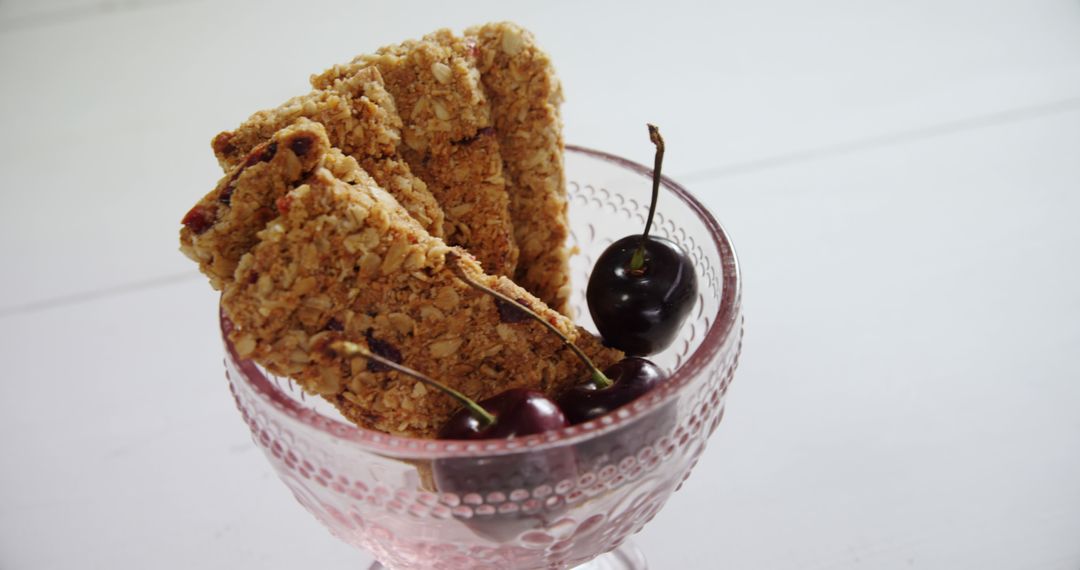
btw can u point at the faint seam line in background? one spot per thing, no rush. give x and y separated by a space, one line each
1014 115
86 296
83 12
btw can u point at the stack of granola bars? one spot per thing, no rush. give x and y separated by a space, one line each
338 208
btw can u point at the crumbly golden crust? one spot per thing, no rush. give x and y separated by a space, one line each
361 119
434 83
525 95
343 262
436 87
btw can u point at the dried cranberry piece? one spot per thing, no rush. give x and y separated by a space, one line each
334 325
283 204
301 145
223 144
226 195
509 313
484 132
383 349
262 154
198 220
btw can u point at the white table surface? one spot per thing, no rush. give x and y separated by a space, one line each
901 179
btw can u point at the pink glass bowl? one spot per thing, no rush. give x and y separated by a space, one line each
553 500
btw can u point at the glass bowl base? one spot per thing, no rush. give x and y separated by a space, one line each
626 557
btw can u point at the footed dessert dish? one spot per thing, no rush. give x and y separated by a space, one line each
399 298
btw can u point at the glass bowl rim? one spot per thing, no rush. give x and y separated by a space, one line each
716 337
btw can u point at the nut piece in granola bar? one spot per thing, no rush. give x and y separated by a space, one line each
361 119
447 120
343 262
525 95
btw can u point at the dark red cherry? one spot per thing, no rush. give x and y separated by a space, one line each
631 378
517 412
641 311
642 287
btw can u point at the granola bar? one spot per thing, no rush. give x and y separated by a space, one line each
525 95
361 119
445 139
342 261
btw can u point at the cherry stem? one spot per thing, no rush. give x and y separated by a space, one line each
637 262
597 376
353 349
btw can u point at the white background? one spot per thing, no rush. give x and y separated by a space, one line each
901 179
